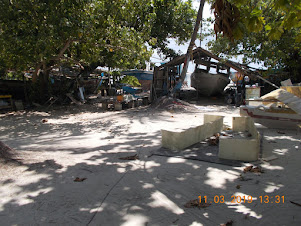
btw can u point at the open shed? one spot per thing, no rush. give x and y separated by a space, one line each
166 76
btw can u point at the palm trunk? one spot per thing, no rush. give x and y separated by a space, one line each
191 45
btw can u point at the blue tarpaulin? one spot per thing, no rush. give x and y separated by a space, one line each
139 74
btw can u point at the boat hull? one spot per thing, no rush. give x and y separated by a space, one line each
271 119
208 84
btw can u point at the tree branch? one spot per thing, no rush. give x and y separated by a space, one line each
66 46
57 58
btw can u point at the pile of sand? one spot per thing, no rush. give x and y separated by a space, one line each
169 103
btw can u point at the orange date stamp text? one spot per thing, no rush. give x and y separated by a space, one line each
242 199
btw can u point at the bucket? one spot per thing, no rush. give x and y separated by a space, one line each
120 98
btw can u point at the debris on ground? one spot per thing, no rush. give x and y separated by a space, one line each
238 186
256 169
232 134
6 152
132 157
280 132
253 169
225 134
44 120
78 179
214 140
196 203
175 221
247 216
295 203
73 99
270 158
247 168
228 223
242 178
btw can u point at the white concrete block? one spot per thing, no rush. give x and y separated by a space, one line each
238 149
180 139
244 149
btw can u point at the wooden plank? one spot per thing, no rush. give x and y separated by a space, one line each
73 100
5 96
285 97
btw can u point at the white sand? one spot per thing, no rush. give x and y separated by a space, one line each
86 142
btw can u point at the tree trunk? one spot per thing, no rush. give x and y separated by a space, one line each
191 45
43 84
36 73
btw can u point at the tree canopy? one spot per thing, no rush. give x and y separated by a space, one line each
40 34
263 31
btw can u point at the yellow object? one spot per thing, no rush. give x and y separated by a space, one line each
120 98
237 77
5 96
296 90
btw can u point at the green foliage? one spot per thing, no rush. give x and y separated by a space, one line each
13 75
276 15
268 31
34 31
118 34
171 19
131 80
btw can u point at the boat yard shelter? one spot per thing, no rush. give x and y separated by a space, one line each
166 76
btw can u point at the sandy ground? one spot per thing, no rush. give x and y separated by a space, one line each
85 142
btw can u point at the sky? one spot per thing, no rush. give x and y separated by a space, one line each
183 48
